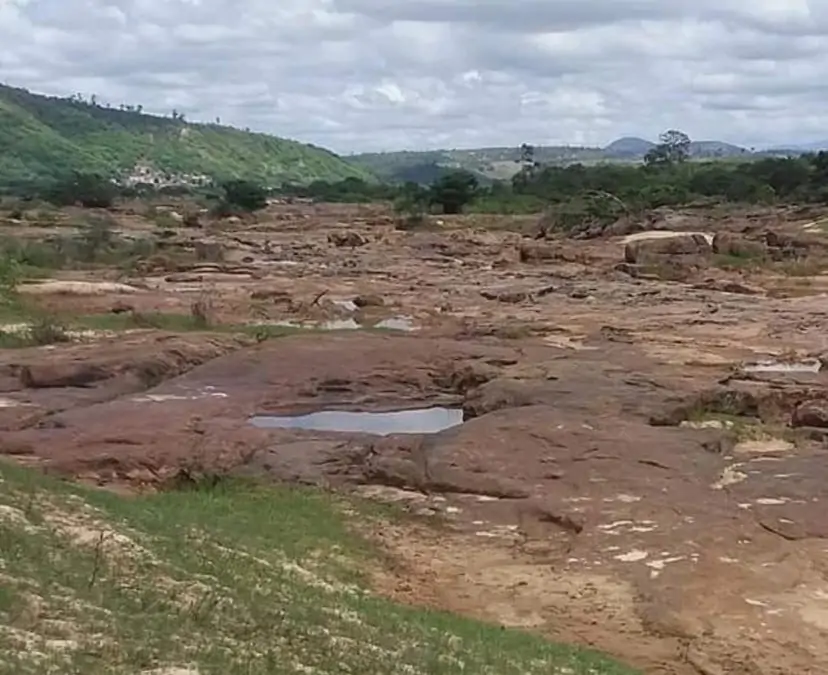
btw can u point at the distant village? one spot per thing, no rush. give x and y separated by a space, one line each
146 174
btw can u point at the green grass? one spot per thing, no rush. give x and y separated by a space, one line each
45 136
791 268
45 328
735 262
238 579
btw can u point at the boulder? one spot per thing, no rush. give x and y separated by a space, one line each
649 250
812 413
538 252
726 243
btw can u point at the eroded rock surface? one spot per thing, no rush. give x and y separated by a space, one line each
621 479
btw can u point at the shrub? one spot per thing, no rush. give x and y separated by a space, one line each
9 278
244 195
89 190
454 190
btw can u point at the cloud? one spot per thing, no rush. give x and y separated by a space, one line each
358 75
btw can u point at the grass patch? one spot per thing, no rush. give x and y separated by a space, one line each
95 243
46 329
235 579
39 333
742 428
727 261
810 267
801 268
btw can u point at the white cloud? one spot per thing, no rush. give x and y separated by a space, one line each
386 74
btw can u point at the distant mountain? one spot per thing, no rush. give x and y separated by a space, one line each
628 147
504 162
815 146
43 136
714 149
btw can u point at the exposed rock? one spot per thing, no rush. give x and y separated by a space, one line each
727 243
812 413
730 286
538 252
77 288
121 307
635 271
503 393
209 251
44 376
369 301
347 239
506 295
648 250
276 294
463 377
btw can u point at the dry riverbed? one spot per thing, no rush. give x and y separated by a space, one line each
615 442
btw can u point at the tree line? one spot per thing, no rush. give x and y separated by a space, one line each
578 192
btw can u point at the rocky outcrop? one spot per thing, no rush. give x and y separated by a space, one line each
658 249
812 413
726 243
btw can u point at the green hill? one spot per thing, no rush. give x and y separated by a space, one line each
43 137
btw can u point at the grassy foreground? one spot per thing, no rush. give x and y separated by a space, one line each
236 579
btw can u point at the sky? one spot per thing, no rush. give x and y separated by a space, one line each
376 75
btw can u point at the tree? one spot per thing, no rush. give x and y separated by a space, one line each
454 190
527 155
673 148
245 195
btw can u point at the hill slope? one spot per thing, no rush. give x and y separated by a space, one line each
43 136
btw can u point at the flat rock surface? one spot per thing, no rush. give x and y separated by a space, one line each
619 480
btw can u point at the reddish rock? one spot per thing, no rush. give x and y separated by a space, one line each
811 414
533 252
647 250
727 243
48 375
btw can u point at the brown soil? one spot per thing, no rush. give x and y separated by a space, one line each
621 482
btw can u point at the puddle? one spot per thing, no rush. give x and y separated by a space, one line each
420 421
805 366
333 324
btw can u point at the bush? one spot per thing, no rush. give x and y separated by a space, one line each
454 191
88 190
47 331
244 195
96 243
